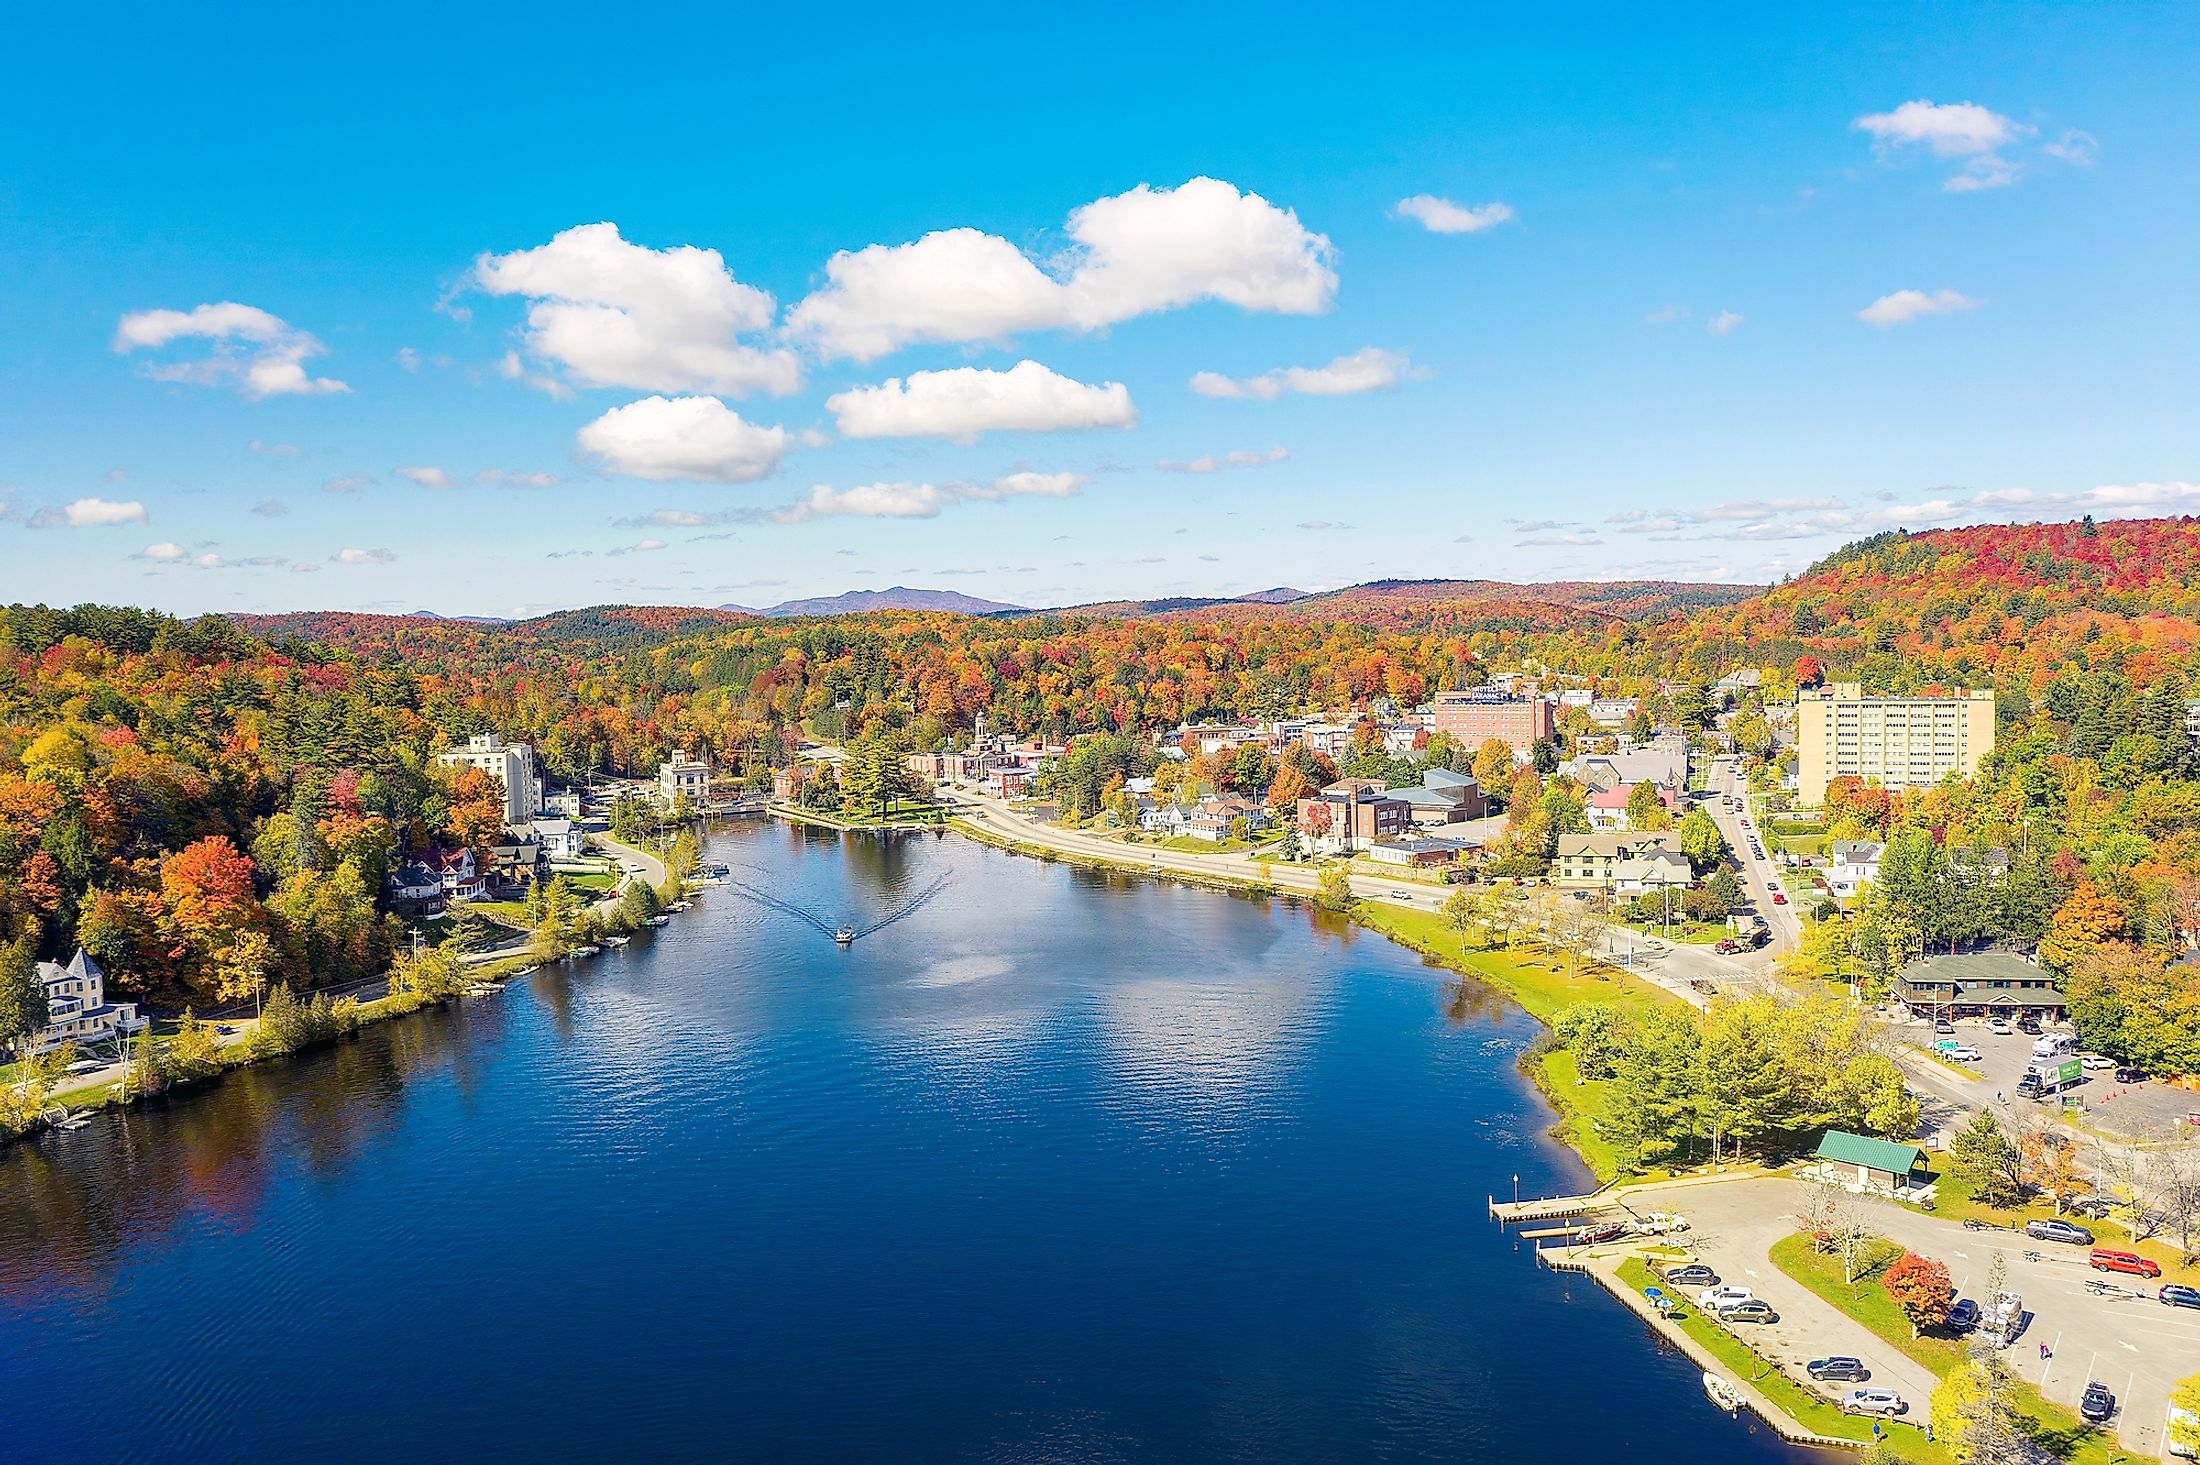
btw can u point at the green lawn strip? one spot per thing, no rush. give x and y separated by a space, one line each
1544 986
2055 1429
1807 1407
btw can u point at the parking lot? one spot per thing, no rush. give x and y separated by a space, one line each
2124 1338
2150 1109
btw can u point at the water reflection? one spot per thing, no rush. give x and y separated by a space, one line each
1068 1165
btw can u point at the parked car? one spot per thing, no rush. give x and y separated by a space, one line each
1965 1053
1850 1370
1752 1311
2047 1228
1944 1028
2109 1259
1711 1299
2096 1404
2177 1294
2000 1028
2131 1075
1962 1317
1874 1401
2094 1062
2029 1024
1695 1274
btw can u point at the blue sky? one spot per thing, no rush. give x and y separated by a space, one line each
308 311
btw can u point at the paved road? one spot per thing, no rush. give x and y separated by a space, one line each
2127 1340
1786 927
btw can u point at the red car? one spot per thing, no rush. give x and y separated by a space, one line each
1779 899
2108 1259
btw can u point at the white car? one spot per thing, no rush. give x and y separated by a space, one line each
1962 1053
2096 1062
1874 1401
1712 1299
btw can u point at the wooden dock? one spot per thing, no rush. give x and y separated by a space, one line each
1550 1208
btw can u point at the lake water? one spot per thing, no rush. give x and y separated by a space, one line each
1064 1166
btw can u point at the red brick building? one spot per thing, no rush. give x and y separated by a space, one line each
1473 718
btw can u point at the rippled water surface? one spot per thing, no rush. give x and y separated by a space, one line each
1064 1166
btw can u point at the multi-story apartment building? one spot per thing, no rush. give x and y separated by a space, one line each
1895 742
1473 718
681 774
511 764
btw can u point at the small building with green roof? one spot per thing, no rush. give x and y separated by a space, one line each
1862 1163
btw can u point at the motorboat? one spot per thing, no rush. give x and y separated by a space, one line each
1721 1392
616 940
588 951
844 935
660 920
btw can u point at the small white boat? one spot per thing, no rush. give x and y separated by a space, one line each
616 940
1721 1393
660 920
845 935
680 905
588 951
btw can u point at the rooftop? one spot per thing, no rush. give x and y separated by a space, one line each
1844 1148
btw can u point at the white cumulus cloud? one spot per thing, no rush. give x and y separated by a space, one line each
427 477
608 313
261 353
683 437
1724 323
1442 216
1372 369
512 478
1954 130
89 513
922 500
362 557
1904 306
1135 253
965 401
164 552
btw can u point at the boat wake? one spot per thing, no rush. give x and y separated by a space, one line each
843 932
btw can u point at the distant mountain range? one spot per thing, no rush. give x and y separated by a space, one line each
898 597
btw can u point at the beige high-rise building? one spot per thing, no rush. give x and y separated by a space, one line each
1895 742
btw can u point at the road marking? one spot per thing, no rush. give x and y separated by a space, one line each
2122 1344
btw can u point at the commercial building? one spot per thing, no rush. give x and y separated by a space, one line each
1895 742
1978 984
1352 814
511 764
1474 718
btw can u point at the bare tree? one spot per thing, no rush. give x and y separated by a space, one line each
2171 1191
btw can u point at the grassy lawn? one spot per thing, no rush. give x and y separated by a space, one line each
1809 1408
1582 1104
1542 985
1954 1200
2052 1427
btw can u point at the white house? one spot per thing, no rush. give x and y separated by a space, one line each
77 1009
1851 864
511 764
561 839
